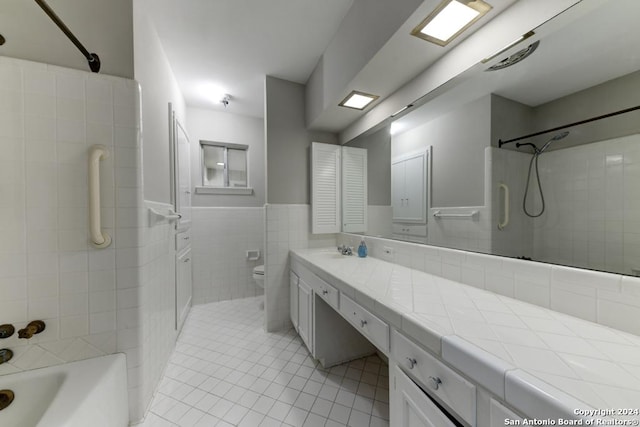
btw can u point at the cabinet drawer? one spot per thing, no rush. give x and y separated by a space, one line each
414 230
319 286
183 239
438 379
370 325
325 291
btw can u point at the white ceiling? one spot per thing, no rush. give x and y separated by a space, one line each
233 44
401 59
578 49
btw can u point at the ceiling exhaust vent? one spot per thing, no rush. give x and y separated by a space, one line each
515 58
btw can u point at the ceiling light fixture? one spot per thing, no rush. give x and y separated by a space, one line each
450 19
358 100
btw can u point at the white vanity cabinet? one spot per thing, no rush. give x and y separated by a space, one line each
499 414
183 285
444 384
328 336
409 406
369 325
293 298
305 313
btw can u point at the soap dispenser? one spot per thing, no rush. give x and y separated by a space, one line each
362 249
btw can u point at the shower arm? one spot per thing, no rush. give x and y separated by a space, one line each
92 58
581 122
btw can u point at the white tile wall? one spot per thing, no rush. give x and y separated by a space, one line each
287 227
510 167
48 269
94 302
221 238
146 312
379 220
606 298
591 216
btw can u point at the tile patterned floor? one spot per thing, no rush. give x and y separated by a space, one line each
226 371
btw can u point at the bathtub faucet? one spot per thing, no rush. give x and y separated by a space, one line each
34 327
5 355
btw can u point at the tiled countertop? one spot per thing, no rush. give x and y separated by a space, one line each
540 361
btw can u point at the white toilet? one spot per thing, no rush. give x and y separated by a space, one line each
258 277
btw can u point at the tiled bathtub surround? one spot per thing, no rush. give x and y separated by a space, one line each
593 210
49 117
221 237
287 228
94 301
608 299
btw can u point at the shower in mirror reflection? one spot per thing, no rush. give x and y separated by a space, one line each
534 160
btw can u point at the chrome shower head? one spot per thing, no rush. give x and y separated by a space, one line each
560 136
554 138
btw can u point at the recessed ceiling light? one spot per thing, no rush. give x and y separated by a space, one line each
220 164
450 19
358 100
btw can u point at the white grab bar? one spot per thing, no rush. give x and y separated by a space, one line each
99 239
505 220
439 214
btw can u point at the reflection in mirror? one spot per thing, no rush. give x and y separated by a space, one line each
581 187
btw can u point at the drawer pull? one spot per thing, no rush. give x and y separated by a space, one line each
411 362
325 292
362 323
186 260
434 382
186 238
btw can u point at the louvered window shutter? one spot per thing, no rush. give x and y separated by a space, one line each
325 188
354 189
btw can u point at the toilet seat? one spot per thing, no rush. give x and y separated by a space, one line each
258 270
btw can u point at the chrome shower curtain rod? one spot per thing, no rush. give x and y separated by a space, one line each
92 58
581 122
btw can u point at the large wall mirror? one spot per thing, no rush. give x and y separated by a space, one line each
502 173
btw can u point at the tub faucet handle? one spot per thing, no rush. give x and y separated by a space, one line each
6 330
5 355
34 327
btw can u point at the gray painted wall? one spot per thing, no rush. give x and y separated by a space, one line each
509 119
288 142
103 27
159 87
604 98
227 127
458 140
378 145
364 30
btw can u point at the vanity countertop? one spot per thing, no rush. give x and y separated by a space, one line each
538 360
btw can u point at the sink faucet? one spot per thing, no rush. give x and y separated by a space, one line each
345 250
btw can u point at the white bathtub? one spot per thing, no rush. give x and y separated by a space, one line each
90 392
